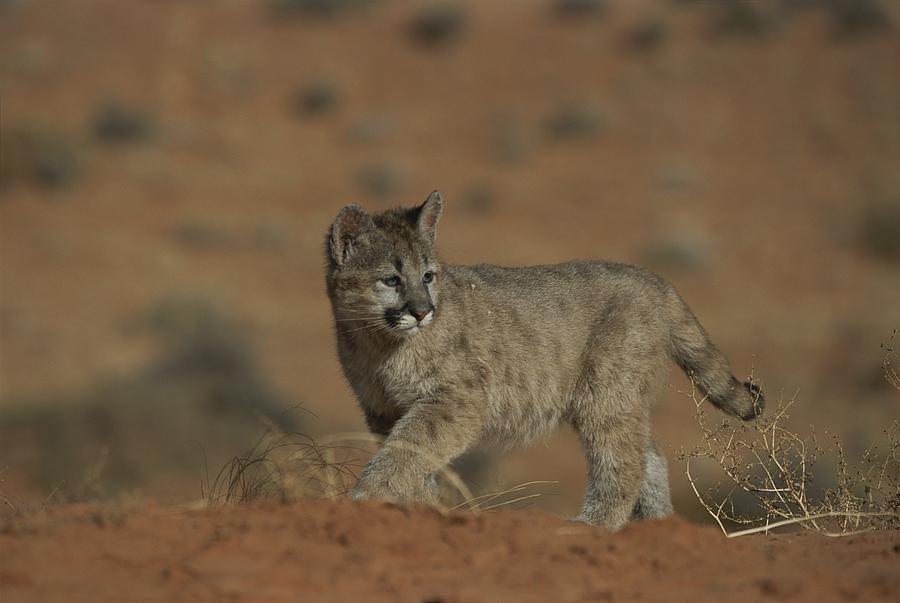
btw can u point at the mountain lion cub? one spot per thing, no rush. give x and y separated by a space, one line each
444 357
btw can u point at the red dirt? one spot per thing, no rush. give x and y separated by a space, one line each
342 551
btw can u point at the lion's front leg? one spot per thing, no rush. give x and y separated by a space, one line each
425 440
378 422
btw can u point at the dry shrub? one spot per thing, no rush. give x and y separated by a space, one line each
775 468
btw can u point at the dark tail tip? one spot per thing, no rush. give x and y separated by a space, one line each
756 401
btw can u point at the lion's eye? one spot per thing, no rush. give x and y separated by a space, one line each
391 281
428 277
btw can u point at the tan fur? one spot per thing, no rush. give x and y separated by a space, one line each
504 355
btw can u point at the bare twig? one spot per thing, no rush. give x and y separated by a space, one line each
774 466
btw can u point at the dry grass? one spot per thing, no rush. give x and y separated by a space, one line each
281 465
292 466
495 500
775 468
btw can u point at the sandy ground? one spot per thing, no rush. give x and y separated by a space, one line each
327 551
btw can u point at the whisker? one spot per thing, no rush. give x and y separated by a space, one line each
357 318
370 326
366 328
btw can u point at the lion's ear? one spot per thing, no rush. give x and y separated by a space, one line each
429 214
348 232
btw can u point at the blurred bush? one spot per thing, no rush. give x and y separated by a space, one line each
372 128
314 98
202 399
742 17
116 122
380 181
39 156
880 230
579 9
478 200
574 120
681 248
438 25
854 17
316 8
202 235
648 35
509 139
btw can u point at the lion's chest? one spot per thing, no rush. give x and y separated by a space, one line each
390 383
409 377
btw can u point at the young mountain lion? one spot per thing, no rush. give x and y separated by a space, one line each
443 358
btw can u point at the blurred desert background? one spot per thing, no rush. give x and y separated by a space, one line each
169 170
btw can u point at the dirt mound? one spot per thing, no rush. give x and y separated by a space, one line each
316 550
